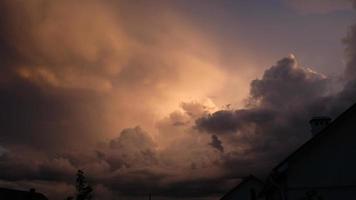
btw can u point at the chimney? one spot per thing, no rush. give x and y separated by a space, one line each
318 124
32 193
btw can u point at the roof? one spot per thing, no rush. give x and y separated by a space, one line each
11 194
245 180
317 118
326 131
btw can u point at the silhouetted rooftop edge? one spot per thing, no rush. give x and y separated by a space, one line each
13 194
320 135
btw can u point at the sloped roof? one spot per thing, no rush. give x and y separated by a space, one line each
11 194
245 180
326 131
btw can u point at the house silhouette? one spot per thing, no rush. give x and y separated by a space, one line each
12 194
248 188
323 168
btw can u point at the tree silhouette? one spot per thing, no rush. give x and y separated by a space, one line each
84 190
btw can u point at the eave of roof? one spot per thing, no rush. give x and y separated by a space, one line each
37 195
318 136
245 180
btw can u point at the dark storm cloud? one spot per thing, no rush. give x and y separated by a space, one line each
35 111
134 147
348 94
263 132
200 187
283 89
216 143
81 86
54 86
228 121
275 120
286 84
35 116
133 139
15 166
123 164
196 188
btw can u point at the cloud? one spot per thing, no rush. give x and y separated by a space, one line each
123 91
78 87
275 119
282 90
133 148
287 84
2 150
75 76
319 6
16 167
348 92
179 155
216 143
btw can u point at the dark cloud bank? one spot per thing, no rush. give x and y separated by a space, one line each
37 129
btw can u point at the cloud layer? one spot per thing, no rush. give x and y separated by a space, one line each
126 98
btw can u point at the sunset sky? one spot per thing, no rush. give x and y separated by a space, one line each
180 99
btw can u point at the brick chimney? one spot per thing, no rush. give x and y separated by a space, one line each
318 123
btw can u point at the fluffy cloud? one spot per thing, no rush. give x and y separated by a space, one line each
275 119
133 148
287 84
74 74
85 71
178 156
274 99
94 87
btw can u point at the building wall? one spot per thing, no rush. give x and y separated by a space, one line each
243 192
326 170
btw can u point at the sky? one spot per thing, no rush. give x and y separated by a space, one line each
180 99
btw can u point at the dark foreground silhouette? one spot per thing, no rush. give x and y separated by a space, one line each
11 194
